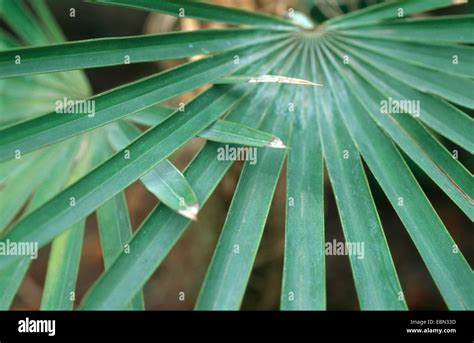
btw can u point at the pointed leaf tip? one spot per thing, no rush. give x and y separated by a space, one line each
276 143
190 212
281 79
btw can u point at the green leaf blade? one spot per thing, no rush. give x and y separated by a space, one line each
446 264
454 88
413 138
449 29
104 52
115 231
118 172
304 266
232 262
453 59
386 10
164 180
376 280
63 267
224 131
163 227
205 11
117 103
231 265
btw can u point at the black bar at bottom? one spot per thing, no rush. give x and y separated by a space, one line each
434 326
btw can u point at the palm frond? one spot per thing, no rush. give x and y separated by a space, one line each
315 92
